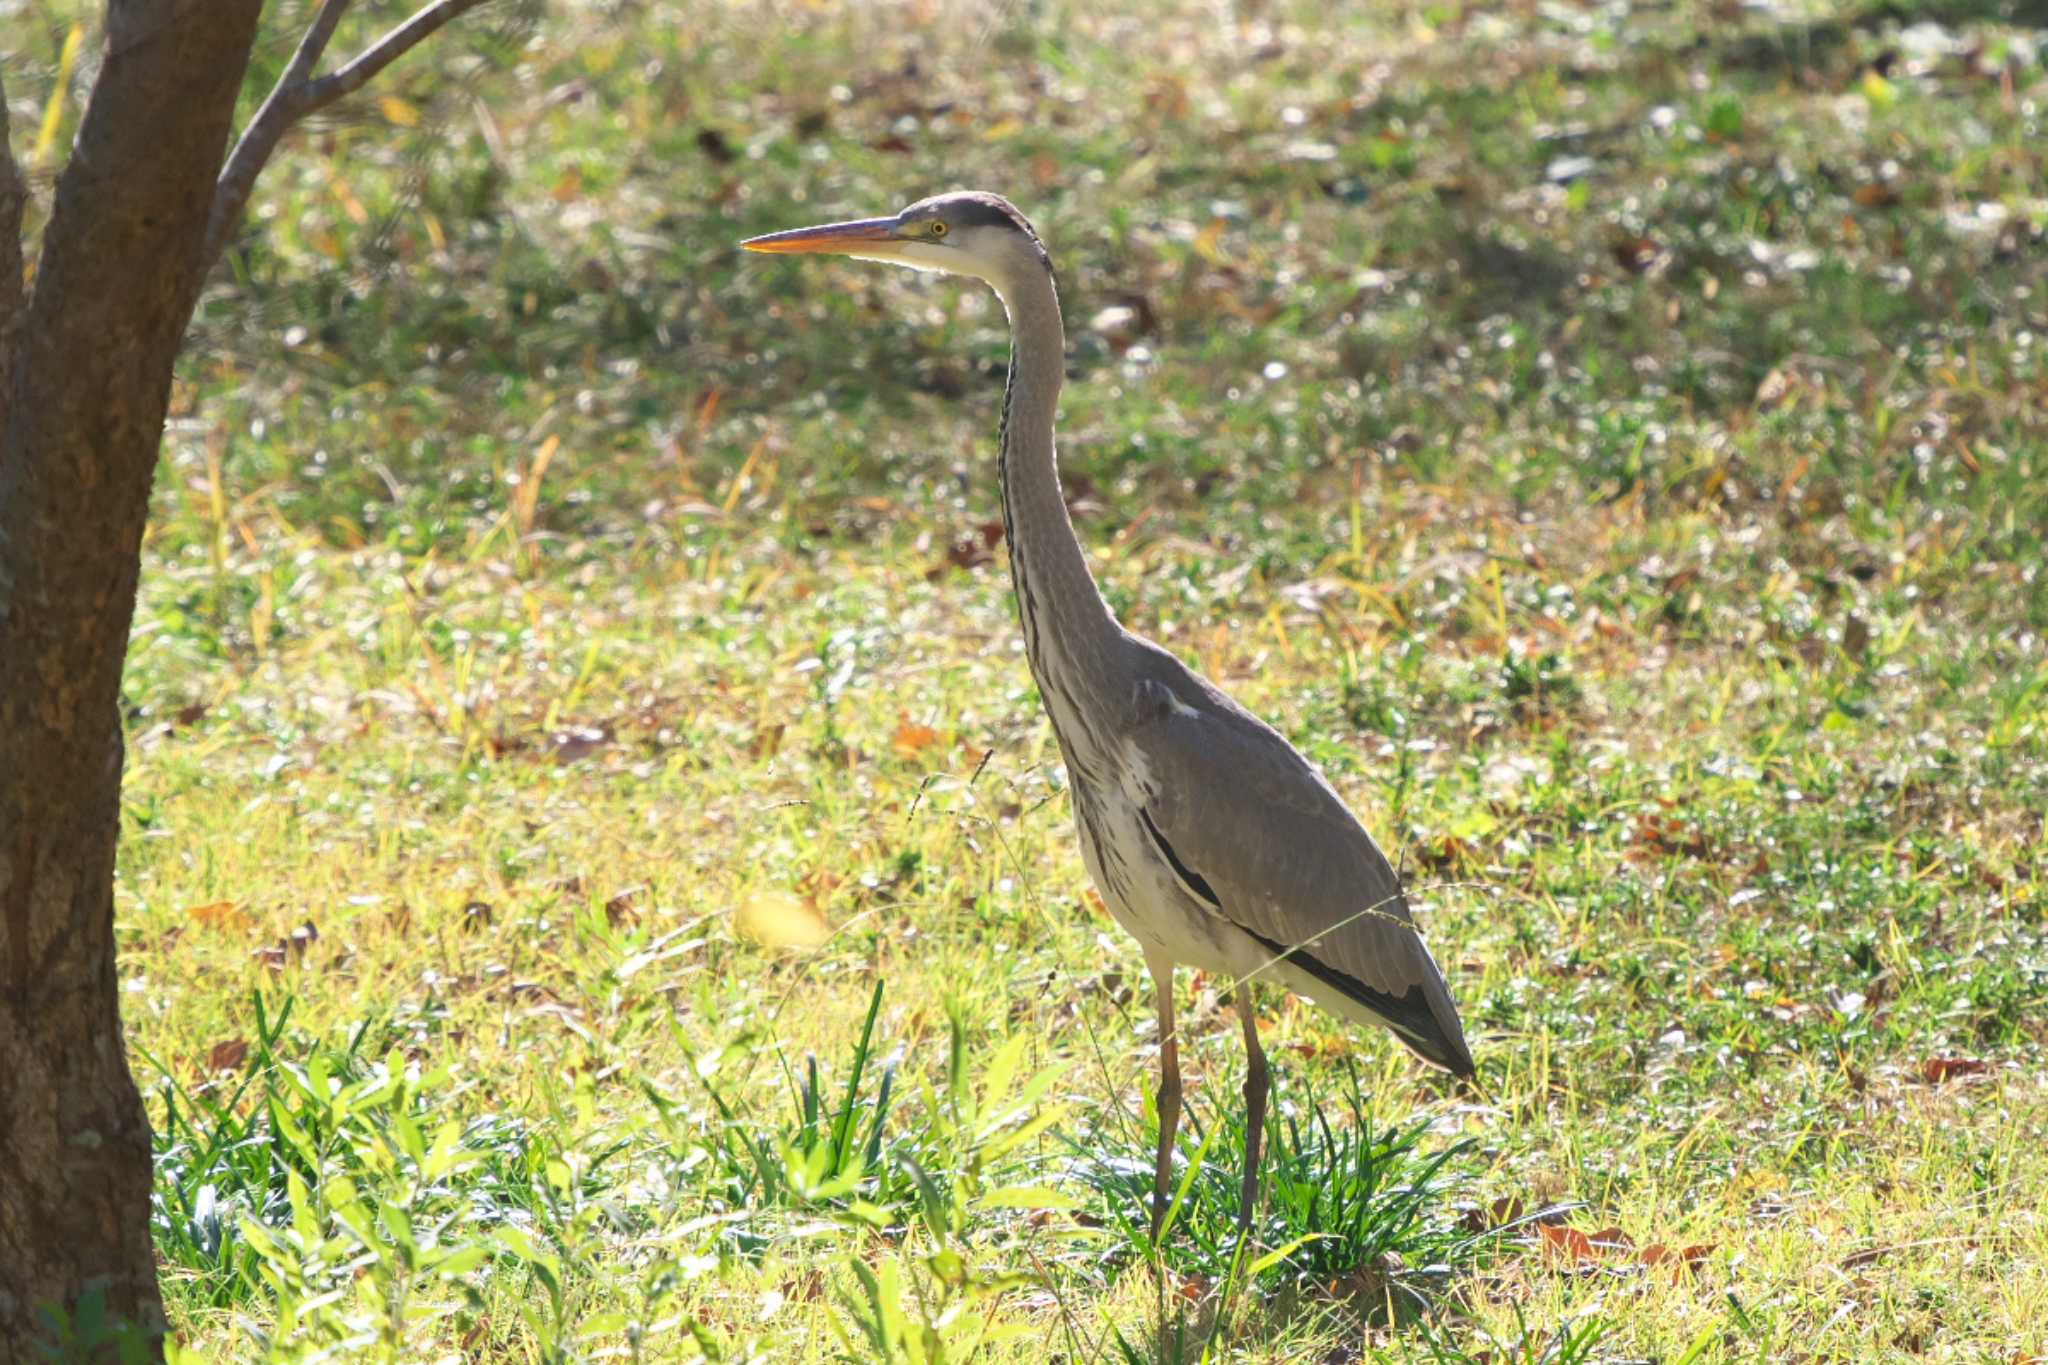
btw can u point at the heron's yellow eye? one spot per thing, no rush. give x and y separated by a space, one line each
937 228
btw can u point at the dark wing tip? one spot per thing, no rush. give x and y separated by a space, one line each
1408 1016
1439 1049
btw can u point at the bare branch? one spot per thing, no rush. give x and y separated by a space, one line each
318 34
298 94
277 113
385 51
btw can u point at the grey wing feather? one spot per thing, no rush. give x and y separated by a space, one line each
1286 860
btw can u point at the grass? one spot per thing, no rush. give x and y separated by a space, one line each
1609 442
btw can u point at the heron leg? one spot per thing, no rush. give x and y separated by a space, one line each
1169 1095
1256 1083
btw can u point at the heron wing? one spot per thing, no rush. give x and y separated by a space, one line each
1254 831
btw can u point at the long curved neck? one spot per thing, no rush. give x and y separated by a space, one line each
1062 611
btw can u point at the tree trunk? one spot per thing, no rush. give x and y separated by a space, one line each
85 390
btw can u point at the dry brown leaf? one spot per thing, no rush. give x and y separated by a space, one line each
1565 1243
621 911
217 915
910 738
228 1055
969 551
1167 94
1936 1070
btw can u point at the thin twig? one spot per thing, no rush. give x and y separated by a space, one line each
298 93
385 51
280 109
313 45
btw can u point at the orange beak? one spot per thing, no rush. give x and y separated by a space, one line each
860 235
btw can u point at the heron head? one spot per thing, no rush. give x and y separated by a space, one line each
963 233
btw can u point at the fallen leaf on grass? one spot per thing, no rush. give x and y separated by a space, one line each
1936 1070
216 915
1611 1246
1504 1211
1676 1258
621 911
1658 836
963 553
1608 1241
969 551
228 1055
1565 1242
909 737
776 919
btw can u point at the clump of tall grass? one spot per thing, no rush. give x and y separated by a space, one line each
1346 1203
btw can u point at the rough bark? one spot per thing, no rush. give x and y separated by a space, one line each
86 393
144 204
13 204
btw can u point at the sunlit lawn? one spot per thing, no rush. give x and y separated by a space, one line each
1611 445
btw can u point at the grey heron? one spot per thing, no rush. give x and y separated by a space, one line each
1212 840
